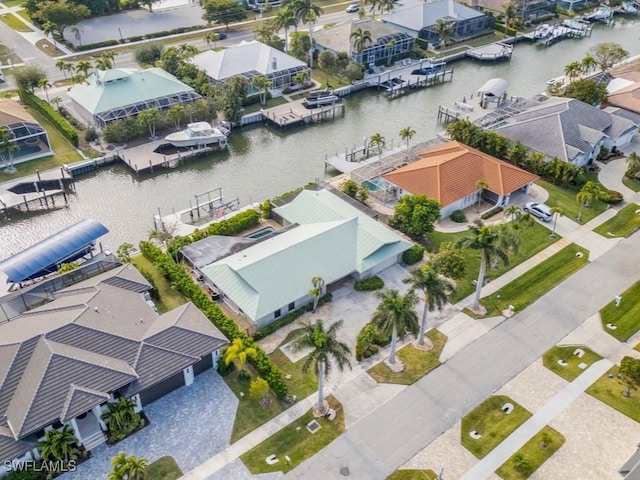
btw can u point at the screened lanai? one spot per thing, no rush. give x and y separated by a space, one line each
25 132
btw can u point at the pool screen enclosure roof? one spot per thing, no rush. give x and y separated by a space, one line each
47 256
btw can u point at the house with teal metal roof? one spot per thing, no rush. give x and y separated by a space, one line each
117 93
332 240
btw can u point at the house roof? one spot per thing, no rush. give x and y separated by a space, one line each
451 171
338 38
247 57
120 87
12 112
95 337
627 97
212 248
419 15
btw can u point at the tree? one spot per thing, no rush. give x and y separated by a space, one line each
63 67
481 185
258 390
633 165
76 33
176 115
407 134
588 63
128 468
59 445
608 54
415 215
223 12
29 77
396 315
122 417
450 261
8 147
307 11
109 56
445 31
211 37
61 13
389 47
587 90
494 244
263 84
124 251
49 28
83 67
586 195
360 38
630 371
149 118
378 141
56 101
327 62
285 19
299 45
148 53
510 12
239 350
520 463
316 291
325 349
265 33
434 288
556 212
513 212
572 70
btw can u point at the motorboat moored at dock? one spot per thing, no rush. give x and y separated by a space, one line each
196 135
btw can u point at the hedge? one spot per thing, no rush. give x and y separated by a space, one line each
413 255
458 216
504 29
369 284
491 213
185 285
47 110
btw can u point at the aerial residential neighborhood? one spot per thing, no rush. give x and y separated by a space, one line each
319 240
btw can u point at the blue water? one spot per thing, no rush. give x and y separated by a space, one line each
262 232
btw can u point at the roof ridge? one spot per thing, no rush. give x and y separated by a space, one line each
73 388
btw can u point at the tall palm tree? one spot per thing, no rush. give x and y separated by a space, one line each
407 134
513 212
263 84
586 195
83 67
316 291
389 47
77 34
103 63
239 350
325 349
137 468
56 101
572 70
374 4
395 315
284 20
111 56
8 147
307 11
445 31
556 212
49 28
63 67
119 465
510 12
494 244
361 38
379 142
211 37
588 63
44 84
434 288
481 185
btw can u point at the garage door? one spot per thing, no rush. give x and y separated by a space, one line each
161 389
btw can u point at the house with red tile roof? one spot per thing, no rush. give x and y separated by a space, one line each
450 173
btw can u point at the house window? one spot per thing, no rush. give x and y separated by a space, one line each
277 314
292 305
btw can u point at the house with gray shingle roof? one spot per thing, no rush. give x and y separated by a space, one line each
568 129
61 362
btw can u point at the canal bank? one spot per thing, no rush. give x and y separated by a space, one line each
262 162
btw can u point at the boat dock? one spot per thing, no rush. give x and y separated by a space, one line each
36 192
295 113
145 158
549 34
492 52
398 80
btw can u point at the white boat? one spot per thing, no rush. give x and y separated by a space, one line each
575 24
319 98
196 134
601 13
628 7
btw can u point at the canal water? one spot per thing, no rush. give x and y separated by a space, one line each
263 162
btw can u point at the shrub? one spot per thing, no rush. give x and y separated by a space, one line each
244 375
93 46
349 187
90 135
24 474
48 111
458 216
265 209
610 196
491 213
413 255
369 284
223 368
504 29
148 53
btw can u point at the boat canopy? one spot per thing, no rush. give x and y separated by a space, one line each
496 87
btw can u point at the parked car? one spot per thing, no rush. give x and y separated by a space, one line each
222 35
539 210
353 8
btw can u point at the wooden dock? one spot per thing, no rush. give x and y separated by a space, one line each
41 191
492 52
398 80
295 113
144 158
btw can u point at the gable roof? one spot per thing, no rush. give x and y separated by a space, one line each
248 57
450 172
338 38
12 112
421 15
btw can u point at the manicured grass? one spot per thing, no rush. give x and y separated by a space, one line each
413 475
609 391
12 3
295 441
272 102
417 363
165 468
169 297
626 222
533 284
626 316
300 384
15 23
572 370
535 452
320 76
492 423
631 183
24 14
534 239
49 48
566 199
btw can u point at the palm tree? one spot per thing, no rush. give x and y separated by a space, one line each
374 5
395 315
481 185
8 147
588 63
239 350
111 56
361 38
510 11
379 142
316 291
211 37
513 212
434 287
389 46
63 67
305 10
121 415
445 31
44 84
76 33
325 350
83 67
176 114
572 70
407 134
556 212
494 244
149 118
119 464
633 165
59 445
586 195
49 28
263 84
285 19
128 468
56 101
103 63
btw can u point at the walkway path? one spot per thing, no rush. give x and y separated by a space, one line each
489 464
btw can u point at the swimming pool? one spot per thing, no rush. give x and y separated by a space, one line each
263 232
376 184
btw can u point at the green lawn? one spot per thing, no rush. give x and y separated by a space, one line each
165 468
631 183
534 239
12 3
566 199
533 284
492 423
413 475
626 222
169 297
572 370
626 317
24 14
14 22
49 48
296 442
609 391
272 102
535 452
417 363
300 384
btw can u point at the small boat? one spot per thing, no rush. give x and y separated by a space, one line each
599 14
542 31
629 7
197 134
319 98
575 24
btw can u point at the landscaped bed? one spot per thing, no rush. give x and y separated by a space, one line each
632 183
610 391
490 421
417 363
413 475
296 442
532 455
625 317
169 298
565 198
626 222
165 468
533 284
567 354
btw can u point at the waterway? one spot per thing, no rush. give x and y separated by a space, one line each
262 162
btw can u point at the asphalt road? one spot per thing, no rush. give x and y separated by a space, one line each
392 434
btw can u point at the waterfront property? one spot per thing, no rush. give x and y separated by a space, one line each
528 9
624 91
386 43
418 19
450 173
327 237
118 93
250 60
25 132
77 342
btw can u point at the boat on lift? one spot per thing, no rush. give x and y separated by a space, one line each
198 134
